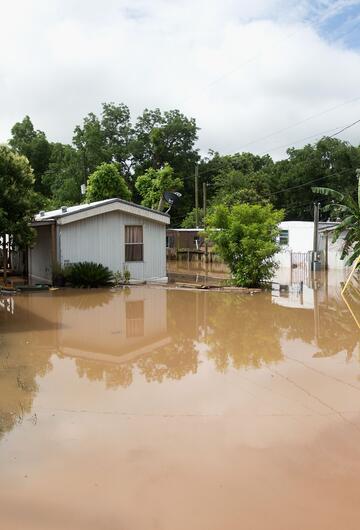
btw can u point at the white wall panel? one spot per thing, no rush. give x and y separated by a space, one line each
102 239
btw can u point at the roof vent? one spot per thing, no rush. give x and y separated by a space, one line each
42 213
64 209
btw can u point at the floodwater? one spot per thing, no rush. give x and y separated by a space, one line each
154 408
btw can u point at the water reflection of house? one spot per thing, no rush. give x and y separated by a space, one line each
119 328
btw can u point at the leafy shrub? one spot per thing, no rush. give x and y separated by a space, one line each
127 276
118 278
245 236
59 274
89 274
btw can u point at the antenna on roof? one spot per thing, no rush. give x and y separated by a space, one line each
171 197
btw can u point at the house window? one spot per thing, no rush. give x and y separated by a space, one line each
284 237
135 319
134 246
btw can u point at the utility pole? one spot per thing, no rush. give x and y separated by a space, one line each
204 212
197 196
315 265
204 201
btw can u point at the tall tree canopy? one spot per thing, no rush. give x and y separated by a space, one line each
64 175
33 144
17 204
155 138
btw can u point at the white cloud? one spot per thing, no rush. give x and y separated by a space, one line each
243 70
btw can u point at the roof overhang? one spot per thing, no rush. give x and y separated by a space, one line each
113 205
46 222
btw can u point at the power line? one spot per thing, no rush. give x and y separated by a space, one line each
336 173
317 24
313 136
322 113
291 144
345 128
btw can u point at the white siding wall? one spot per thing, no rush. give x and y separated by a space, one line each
102 239
301 235
334 250
40 269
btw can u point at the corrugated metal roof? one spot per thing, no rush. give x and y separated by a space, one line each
71 210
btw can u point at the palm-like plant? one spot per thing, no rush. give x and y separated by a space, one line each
347 209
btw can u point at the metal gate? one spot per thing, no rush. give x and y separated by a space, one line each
300 266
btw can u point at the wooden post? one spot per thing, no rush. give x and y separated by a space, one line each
53 244
197 196
204 212
53 249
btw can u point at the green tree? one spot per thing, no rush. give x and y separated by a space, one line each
64 175
154 182
107 183
331 162
242 177
245 236
190 220
17 200
347 208
118 134
33 144
167 137
90 142
109 138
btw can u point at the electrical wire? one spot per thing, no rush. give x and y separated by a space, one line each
322 113
319 134
317 24
345 128
335 173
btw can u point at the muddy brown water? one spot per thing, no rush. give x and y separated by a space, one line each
154 408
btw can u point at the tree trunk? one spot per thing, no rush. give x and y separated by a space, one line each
161 204
5 258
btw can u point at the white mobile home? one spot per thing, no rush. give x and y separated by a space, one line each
330 249
118 234
296 237
297 242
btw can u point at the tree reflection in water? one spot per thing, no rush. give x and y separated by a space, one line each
23 359
243 330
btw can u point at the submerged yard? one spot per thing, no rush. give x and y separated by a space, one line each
155 408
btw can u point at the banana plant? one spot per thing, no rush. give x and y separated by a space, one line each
347 209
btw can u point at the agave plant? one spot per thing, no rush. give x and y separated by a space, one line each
89 274
347 209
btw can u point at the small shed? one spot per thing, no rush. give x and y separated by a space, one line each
184 239
331 250
118 234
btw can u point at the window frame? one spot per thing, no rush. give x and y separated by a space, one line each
135 325
138 244
285 233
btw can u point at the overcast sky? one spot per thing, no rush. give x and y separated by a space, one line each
248 71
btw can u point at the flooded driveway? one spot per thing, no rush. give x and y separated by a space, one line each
153 408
